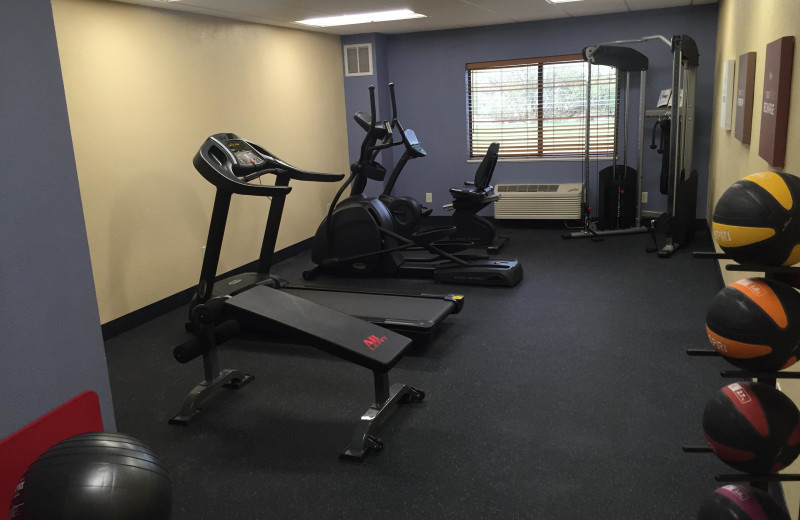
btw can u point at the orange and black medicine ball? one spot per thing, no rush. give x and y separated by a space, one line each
757 219
755 324
752 427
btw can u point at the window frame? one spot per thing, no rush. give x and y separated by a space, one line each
537 152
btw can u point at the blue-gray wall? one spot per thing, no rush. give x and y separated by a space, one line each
429 72
50 338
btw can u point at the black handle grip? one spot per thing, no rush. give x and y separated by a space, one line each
394 103
372 111
195 347
365 144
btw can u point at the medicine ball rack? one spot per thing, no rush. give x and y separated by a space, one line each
769 378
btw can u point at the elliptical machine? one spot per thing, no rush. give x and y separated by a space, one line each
358 238
472 231
406 212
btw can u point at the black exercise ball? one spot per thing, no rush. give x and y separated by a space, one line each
752 427
757 219
755 324
94 476
740 502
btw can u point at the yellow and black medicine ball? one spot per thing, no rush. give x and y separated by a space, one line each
757 219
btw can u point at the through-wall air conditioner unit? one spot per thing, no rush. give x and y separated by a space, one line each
538 201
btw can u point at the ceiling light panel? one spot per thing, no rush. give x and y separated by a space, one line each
352 19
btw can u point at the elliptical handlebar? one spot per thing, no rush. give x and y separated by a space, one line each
366 149
369 146
394 102
413 148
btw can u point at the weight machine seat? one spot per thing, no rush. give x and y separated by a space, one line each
479 192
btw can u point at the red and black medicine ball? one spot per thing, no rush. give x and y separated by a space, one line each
752 427
757 219
740 502
755 324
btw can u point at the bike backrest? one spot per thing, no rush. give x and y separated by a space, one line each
483 175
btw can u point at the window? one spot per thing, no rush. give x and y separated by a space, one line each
536 108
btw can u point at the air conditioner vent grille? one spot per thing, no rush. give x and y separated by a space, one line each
358 59
538 201
527 188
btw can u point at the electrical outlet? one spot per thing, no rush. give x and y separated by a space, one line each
429 197
644 197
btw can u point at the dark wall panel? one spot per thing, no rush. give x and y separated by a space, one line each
51 345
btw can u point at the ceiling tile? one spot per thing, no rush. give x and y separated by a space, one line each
441 14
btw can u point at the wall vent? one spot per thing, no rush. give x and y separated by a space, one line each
358 60
538 201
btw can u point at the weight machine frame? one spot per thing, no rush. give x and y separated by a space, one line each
682 113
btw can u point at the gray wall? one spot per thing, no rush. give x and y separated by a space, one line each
429 71
50 338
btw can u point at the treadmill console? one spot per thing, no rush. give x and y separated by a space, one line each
229 162
247 158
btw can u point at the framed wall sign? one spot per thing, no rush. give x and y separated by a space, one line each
775 103
726 97
745 84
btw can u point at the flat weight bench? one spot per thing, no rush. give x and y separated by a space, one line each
268 311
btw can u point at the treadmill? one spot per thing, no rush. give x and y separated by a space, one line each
231 163
357 326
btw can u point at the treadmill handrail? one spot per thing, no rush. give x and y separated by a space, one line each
284 168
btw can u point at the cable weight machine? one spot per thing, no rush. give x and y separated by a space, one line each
627 60
678 220
682 179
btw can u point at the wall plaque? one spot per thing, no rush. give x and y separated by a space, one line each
775 103
745 84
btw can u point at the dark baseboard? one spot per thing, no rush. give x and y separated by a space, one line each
182 299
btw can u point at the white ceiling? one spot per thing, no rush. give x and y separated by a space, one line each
441 14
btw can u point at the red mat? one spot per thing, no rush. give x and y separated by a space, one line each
17 451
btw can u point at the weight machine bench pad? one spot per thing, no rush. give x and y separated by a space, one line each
353 339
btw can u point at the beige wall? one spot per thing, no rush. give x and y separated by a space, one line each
144 88
745 26
748 26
